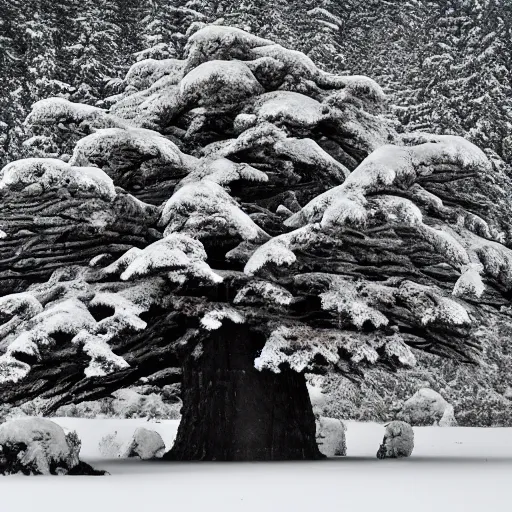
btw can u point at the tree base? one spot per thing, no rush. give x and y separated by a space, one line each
232 412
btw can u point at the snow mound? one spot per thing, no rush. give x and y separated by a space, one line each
161 255
397 211
220 42
146 72
456 149
308 152
392 165
145 444
177 253
213 319
289 107
359 86
330 437
223 172
398 441
219 82
52 110
427 407
204 209
275 251
51 174
37 446
109 143
296 63
23 305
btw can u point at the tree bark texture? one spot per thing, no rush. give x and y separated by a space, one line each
231 411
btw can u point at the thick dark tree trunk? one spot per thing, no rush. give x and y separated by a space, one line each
231 411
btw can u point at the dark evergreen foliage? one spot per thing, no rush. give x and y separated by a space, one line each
445 65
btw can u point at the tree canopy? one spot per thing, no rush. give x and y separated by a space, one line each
241 210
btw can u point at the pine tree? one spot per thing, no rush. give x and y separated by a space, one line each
269 223
11 76
460 81
92 52
40 57
445 65
486 92
128 16
34 64
165 27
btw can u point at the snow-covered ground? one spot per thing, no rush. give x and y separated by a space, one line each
451 469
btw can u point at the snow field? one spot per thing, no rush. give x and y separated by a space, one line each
452 469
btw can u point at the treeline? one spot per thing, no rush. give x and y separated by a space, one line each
445 64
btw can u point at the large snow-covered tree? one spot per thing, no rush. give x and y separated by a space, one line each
235 220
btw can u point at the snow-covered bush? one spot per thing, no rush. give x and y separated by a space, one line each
35 176
37 446
75 444
145 444
126 404
398 441
485 408
427 407
330 436
90 409
110 446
